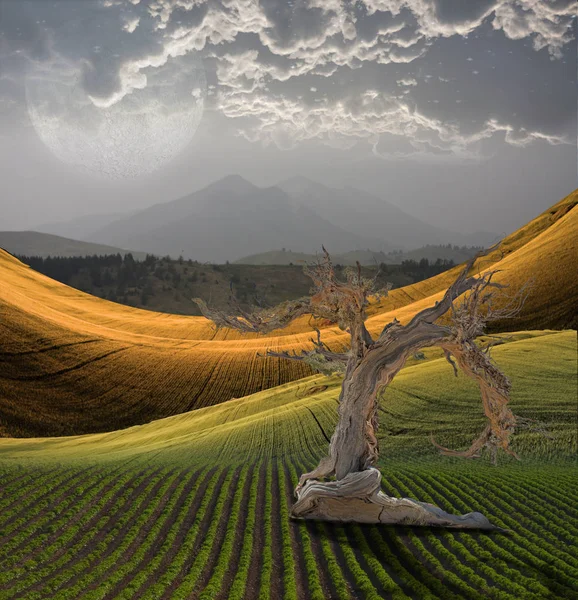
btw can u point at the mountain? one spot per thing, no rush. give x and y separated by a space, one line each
365 214
81 228
229 219
34 243
232 218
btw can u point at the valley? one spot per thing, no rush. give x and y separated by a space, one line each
146 455
56 343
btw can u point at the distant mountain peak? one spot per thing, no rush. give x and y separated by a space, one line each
230 183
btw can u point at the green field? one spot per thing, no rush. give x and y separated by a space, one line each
197 505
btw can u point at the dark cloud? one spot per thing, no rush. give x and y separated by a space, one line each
293 22
491 77
445 75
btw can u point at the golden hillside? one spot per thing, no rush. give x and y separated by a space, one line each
71 363
284 420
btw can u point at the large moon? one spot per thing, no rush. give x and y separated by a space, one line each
132 137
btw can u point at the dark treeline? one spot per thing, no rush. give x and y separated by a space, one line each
103 270
164 284
425 268
113 276
63 268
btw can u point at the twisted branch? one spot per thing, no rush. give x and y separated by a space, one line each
321 357
469 319
258 321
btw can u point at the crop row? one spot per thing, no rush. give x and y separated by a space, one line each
470 551
142 532
60 566
482 578
111 549
530 557
165 559
49 529
109 577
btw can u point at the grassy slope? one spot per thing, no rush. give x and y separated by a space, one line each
131 366
365 257
541 251
423 397
196 505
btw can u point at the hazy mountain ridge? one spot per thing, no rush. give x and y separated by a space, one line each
365 214
227 220
359 212
34 243
81 228
232 218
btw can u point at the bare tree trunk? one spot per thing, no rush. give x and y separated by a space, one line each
355 494
369 366
354 445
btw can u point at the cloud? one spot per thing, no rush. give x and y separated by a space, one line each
547 23
311 69
364 119
131 24
319 36
407 81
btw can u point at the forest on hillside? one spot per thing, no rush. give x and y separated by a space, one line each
166 285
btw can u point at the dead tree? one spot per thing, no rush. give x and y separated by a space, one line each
345 486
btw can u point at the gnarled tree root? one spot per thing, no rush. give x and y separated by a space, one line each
358 498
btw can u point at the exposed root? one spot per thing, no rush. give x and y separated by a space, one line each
358 498
325 468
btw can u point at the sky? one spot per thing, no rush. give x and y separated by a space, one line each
461 113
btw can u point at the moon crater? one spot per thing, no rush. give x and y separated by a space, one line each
140 133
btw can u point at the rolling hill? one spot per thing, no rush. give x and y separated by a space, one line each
34 243
71 363
365 257
231 429
197 505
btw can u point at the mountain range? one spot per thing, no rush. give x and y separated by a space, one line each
232 218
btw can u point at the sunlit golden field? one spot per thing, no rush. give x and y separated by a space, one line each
278 422
71 363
